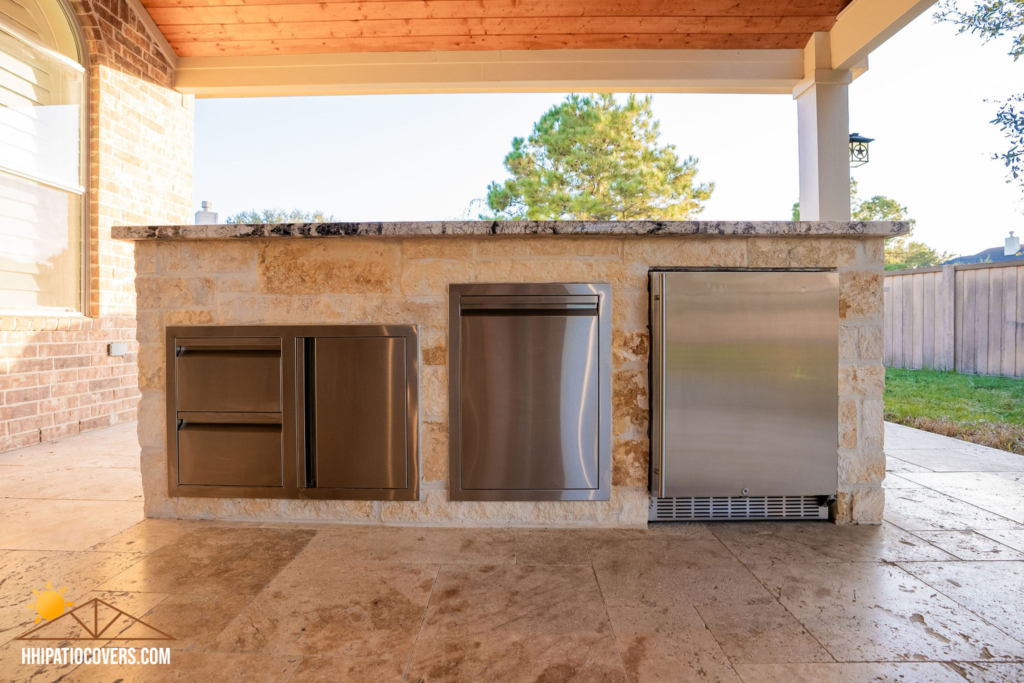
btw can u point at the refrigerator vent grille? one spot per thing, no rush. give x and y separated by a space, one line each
737 507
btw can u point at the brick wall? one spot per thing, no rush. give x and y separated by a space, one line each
56 378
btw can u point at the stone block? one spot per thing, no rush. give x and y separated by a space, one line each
654 252
630 310
872 252
630 458
862 380
861 467
209 257
629 403
436 354
430 313
434 393
340 266
238 282
438 248
145 257
860 294
848 424
872 425
434 447
248 309
152 420
432 277
152 361
156 291
847 342
867 505
800 252
871 342
630 346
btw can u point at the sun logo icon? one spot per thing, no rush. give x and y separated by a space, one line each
49 603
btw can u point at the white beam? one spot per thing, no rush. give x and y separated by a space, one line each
823 133
720 71
866 24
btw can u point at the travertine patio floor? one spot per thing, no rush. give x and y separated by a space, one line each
934 594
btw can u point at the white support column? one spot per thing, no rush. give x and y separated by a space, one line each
823 124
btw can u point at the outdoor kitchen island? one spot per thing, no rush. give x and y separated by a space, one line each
395 274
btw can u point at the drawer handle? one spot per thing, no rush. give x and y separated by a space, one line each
533 303
197 417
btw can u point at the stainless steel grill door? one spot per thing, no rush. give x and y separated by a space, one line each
746 386
530 406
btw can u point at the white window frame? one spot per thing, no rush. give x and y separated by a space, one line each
82 65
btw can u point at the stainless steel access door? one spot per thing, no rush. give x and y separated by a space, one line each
745 383
530 392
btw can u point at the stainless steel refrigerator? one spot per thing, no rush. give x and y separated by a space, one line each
744 410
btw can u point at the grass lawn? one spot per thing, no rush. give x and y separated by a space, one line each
976 408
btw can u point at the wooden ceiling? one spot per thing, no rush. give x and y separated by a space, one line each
206 28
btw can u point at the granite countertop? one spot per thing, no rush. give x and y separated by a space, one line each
441 228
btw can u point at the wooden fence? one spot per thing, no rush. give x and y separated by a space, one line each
965 318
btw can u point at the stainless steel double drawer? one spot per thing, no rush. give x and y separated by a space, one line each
293 412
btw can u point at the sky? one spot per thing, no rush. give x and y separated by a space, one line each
427 157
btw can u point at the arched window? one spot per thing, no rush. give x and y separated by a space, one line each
43 158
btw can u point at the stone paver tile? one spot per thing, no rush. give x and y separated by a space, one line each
993 590
924 509
71 483
517 658
87 448
322 604
668 644
765 542
472 599
148 536
689 529
414 544
846 672
193 620
214 560
895 481
969 545
668 570
63 524
13 671
550 547
960 459
22 571
1013 538
900 437
763 632
898 466
193 666
69 634
989 672
349 670
1000 493
875 613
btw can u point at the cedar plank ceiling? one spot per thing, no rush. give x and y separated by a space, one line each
206 28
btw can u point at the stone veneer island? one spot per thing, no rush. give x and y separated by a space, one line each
398 273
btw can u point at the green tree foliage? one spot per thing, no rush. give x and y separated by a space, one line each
254 217
992 19
900 252
591 158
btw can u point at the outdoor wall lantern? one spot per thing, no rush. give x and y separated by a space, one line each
859 149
